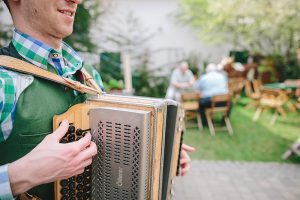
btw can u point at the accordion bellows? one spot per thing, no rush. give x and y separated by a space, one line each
138 141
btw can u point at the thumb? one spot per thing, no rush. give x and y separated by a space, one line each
61 130
188 148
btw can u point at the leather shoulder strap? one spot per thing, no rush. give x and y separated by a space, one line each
27 68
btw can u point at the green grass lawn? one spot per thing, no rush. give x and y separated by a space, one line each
251 141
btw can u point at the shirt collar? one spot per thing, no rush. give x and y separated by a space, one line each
39 53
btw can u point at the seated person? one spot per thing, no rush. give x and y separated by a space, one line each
182 79
214 82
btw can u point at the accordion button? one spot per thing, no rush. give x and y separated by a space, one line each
71 137
79 178
72 193
79 195
79 187
86 190
86 196
64 183
79 132
72 185
64 191
88 169
72 179
71 129
86 182
63 140
86 174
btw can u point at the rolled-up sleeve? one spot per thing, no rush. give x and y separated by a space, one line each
5 189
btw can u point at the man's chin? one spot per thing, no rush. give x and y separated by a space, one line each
66 33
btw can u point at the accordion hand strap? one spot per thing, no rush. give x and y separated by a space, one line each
24 67
89 80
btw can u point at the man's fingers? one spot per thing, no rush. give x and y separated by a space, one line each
185 169
185 155
87 153
82 143
85 163
184 161
61 130
188 148
184 165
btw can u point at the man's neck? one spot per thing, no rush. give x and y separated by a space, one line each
55 43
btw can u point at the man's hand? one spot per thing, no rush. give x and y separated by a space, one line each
50 161
185 159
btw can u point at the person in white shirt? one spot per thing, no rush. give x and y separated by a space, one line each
182 80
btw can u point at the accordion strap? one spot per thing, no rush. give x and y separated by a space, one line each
18 65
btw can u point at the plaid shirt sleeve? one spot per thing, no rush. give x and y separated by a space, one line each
5 190
7 104
11 86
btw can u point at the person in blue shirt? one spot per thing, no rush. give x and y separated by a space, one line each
214 82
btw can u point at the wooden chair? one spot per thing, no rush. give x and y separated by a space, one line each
297 104
253 92
190 104
236 86
293 150
271 99
209 112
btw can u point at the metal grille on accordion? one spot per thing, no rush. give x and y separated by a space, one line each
138 141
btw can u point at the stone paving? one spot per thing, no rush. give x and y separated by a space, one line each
225 180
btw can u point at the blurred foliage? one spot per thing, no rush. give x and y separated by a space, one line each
110 68
111 71
193 60
266 27
125 32
147 84
5 30
113 84
87 13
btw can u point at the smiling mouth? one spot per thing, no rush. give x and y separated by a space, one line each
66 12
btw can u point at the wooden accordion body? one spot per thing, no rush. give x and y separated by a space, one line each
138 141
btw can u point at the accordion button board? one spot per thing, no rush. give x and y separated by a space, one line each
76 187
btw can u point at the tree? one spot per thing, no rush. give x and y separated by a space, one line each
124 32
264 26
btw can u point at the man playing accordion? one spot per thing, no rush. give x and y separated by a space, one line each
32 158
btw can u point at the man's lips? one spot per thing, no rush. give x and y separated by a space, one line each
67 12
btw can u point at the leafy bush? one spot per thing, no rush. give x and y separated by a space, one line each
146 83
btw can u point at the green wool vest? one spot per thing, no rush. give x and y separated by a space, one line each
35 109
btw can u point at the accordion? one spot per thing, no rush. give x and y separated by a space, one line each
138 141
